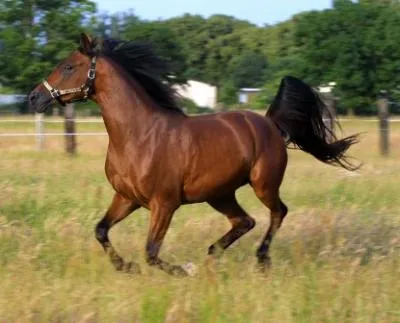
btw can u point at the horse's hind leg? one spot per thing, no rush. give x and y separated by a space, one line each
278 212
240 220
266 179
119 209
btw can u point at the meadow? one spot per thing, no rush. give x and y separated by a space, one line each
336 257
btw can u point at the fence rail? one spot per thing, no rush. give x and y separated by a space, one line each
39 130
101 120
51 121
55 134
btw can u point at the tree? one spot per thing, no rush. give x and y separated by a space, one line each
249 70
228 93
355 44
210 45
35 35
163 38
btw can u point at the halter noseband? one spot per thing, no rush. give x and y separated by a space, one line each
86 88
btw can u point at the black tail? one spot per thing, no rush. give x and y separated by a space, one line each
298 111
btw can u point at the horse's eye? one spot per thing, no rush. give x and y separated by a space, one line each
68 67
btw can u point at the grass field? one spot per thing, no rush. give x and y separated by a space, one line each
335 259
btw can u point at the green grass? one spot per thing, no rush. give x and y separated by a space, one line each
335 259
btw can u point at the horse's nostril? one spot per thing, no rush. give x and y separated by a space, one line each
32 97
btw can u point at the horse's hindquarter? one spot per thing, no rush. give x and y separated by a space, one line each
221 152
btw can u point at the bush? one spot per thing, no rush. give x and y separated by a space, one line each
190 107
228 93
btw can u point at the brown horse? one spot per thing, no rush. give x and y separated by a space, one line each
159 158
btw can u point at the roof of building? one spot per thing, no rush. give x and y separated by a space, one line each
249 89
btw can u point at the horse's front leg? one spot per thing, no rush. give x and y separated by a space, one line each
160 219
119 209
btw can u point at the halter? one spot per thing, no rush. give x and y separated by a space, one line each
86 88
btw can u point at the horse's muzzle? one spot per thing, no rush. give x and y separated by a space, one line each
39 101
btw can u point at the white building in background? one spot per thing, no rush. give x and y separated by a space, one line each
11 98
326 88
246 94
203 94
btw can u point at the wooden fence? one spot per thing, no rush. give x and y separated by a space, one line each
70 121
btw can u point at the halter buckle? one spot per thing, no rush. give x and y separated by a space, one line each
92 69
55 93
91 74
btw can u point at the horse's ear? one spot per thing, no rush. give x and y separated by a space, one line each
86 44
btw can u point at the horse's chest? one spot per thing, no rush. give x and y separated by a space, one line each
127 181
119 177
117 180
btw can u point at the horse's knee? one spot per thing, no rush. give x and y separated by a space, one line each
243 223
248 223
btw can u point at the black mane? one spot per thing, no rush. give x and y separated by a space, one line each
148 69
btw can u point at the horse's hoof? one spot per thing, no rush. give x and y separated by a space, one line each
131 268
180 271
190 268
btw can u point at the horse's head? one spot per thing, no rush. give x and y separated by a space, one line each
72 80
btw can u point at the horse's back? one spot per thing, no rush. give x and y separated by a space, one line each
251 131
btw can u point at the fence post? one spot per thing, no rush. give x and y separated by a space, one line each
69 123
383 108
56 111
39 124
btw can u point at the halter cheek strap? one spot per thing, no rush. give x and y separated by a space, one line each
86 88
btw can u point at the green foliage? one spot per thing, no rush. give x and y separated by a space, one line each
264 98
355 44
228 93
164 41
6 90
249 70
188 105
36 35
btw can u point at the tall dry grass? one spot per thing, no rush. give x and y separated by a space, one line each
335 259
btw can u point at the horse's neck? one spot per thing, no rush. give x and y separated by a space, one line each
127 111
